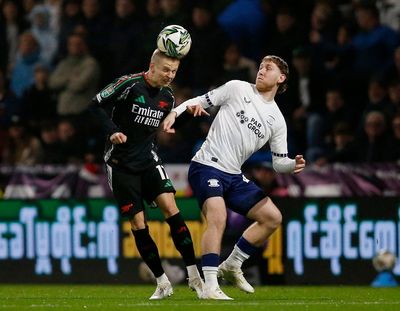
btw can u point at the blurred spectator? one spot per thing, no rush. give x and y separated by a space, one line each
245 23
44 34
12 25
72 145
9 104
75 78
374 43
96 26
305 95
394 96
373 145
27 58
52 151
392 72
389 12
396 136
238 67
71 16
320 126
152 27
39 102
378 99
323 28
173 148
28 5
342 137
287 34
204 64
21 147
54 7
124 36
173 13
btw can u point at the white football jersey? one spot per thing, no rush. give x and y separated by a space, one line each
244 123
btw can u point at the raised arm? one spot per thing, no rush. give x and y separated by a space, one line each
194 106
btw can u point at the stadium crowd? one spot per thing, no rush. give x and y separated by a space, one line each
342 104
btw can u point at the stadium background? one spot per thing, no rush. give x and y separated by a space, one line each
342 111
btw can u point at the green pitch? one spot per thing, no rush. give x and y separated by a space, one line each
105 297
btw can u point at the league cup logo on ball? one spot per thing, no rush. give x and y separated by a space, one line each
175 41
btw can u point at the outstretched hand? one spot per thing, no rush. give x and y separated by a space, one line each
118 138
197 110
168 122
300 164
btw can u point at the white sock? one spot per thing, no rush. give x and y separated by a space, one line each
162 279
236 258
210 277
192 272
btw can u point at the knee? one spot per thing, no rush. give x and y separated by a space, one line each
276 219
168 210
216 221
273 218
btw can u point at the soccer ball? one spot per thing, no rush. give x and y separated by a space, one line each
174 40
384 260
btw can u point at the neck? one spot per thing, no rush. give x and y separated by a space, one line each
268 95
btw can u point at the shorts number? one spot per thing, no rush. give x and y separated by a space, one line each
162 172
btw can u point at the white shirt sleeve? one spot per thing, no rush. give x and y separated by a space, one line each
278 144
216 97
220 95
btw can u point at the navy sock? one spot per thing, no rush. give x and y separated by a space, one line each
210 260
246 247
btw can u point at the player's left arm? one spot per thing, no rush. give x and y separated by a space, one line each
280 160
197 106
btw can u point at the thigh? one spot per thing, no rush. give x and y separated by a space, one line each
155 181
243 194
265 211
127 190
206 182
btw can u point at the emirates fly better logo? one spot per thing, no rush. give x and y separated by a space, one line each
252 124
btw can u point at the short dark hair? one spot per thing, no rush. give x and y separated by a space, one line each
283 67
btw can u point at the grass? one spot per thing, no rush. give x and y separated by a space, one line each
109 297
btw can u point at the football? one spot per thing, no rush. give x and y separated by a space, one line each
175 41
384 260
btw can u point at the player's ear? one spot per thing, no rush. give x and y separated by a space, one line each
281 78
152 66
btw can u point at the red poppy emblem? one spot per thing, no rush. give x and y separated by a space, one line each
163 104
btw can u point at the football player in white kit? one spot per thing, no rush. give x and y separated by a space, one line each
248 118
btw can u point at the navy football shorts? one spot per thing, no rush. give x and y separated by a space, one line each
239 193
